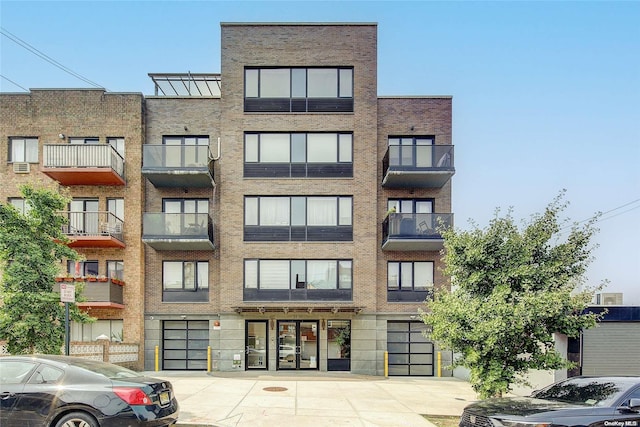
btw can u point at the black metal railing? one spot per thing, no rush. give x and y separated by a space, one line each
415 225
177 225
101 223
418 158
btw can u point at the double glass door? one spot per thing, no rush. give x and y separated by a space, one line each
297 344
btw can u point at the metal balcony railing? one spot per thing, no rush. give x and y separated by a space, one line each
420 166
83 156
101 223
414 231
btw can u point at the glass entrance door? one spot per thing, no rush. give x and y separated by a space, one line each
256 349
297 344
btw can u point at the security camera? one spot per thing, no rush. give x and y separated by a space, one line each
61 136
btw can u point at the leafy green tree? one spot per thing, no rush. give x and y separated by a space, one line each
31 248
512 290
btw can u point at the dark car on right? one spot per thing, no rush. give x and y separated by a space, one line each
577 401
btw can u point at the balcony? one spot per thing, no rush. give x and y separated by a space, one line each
177 166
417 166
414 232
93 230
304 294
83 164
178 231
100 294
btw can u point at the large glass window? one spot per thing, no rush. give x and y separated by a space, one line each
410 276
23 150
286 211
185 275
298 82
320 89
298 148
90 331
411 151
296 274
181 151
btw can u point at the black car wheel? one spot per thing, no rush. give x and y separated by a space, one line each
77 419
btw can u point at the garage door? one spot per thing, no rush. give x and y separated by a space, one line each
410 352
185 344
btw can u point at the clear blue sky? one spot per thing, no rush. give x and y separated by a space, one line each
546 95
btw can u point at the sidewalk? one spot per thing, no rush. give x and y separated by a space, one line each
322 399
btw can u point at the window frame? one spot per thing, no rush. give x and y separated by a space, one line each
25 149
197 285
341 282
400 273
340 76
339 200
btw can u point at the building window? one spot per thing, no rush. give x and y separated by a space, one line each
23 150
115 270
117 144
268 274
410 206
84 216
410 276
88 332
185 215
82 268
185 275
311 211
20 204
291 218
92 140
299 89
183 151
414 151
292 155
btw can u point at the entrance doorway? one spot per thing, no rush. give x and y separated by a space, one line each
257 350
297 344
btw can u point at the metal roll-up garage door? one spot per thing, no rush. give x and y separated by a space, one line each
410 352
185 344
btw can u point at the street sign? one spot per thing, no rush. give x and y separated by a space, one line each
67 292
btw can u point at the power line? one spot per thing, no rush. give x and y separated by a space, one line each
11 81
601 214
45 57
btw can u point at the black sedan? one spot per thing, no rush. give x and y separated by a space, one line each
578 401
60 391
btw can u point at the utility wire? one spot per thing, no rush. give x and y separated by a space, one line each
601 214
45 57
11 81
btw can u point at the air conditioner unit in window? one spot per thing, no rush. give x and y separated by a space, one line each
21 167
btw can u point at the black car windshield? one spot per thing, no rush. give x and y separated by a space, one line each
586 391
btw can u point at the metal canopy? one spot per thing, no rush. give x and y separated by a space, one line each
190 84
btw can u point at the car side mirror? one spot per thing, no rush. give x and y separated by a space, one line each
633 406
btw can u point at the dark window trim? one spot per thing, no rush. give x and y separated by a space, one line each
289 260
306 161
337 68
196 285
413 276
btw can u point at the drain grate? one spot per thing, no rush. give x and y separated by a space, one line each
275 389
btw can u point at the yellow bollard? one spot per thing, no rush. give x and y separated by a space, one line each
157 359
439 363
208 358
386 363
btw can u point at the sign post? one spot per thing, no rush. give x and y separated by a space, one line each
67 295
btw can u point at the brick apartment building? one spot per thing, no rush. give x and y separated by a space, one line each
280 213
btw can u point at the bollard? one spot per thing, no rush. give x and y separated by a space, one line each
439 364
157 359
386 364
209 358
